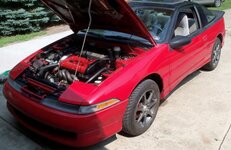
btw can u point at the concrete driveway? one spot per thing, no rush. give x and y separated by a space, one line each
196 116
13 54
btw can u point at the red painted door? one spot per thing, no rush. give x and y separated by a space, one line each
187 59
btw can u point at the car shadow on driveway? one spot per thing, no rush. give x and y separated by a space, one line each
182 83
48 144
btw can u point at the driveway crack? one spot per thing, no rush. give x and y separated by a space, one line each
222 142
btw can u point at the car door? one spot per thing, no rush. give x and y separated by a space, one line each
186 59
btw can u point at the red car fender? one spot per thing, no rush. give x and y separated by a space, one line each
124 81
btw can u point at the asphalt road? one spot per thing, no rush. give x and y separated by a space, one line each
196 116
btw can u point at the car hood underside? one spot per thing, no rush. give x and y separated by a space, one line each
115 15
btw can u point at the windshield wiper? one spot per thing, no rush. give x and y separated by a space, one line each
129 39
118 36
94 34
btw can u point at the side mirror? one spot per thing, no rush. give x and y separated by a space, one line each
179 41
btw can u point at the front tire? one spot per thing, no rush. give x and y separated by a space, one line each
142 108
215 58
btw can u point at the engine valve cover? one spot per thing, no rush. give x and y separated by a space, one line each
72 61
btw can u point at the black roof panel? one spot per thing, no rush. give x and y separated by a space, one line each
161 3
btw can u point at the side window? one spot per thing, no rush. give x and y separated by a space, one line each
187 23
208 14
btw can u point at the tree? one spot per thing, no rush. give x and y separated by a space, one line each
23 16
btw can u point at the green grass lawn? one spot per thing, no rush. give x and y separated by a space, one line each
224 6
17 38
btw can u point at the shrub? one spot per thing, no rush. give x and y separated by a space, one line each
24 16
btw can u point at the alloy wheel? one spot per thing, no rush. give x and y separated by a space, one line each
146 109
216 55
217 3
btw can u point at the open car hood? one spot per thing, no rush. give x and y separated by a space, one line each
114 15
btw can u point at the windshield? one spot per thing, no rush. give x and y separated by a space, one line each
156 20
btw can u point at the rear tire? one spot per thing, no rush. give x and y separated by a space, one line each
215 58
142 108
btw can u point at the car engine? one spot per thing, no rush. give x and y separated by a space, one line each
61 64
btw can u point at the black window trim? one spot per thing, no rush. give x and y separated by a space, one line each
195 11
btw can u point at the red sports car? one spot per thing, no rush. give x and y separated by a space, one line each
112 72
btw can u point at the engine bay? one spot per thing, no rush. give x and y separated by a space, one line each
63 62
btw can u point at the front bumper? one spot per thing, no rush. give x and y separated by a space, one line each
66 128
